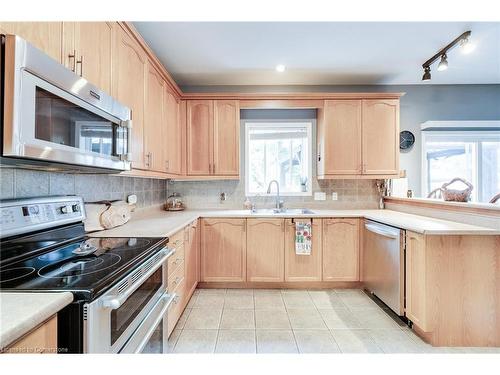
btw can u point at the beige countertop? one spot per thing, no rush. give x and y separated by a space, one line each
155 222
21 312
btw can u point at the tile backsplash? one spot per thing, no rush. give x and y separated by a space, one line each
351 194
23 183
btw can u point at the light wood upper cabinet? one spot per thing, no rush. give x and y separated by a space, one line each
226 138
192 257
129 84
265 249
46 36
88 51
199 137
380 139
223 250
303 267
173 135
341 249
213 137
416 279
339 138
358 138
154 121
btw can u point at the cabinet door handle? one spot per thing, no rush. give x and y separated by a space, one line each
168 164
72 57
81 66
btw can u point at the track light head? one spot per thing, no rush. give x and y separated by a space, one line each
443 64
466 46
427 73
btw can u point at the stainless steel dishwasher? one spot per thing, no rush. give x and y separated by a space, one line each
383 271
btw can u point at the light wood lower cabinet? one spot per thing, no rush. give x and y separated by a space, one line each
265 250
223 250
416 279
42 339
303 267
192 256
341 249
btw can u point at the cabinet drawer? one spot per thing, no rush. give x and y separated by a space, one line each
176 277
175 260
177 239
177 306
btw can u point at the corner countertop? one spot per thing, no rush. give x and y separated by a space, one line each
155 222
21 312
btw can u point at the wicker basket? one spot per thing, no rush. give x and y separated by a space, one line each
453 195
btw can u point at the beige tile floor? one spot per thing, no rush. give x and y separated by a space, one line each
294 321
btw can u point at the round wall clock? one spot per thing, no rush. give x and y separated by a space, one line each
406 140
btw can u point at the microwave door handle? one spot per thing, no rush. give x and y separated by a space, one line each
115 302
128 124
378 230
161 315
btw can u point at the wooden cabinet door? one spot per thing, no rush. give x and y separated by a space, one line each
173 134
340 133
341 249
129 81
46 36
199 137
42 339
303 267
94 46
226 138
192 257
223 250
415 279
380 136
265 249
154 121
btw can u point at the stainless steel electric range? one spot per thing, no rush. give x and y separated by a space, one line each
119 284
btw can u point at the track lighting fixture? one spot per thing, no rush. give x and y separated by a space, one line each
443 64
465 45
427 73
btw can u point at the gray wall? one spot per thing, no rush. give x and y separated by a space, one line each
420 104
22 183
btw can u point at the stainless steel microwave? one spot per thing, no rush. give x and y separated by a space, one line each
54 119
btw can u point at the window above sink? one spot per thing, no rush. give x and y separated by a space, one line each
281 151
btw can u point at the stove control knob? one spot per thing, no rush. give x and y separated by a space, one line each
66 209
76 208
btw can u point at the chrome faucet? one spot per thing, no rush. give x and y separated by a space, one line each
279 203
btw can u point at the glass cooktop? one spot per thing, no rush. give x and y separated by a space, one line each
86 267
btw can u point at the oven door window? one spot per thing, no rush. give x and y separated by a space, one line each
64 123
122 317
155 343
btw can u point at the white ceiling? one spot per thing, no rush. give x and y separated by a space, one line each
239 53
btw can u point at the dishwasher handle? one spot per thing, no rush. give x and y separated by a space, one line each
382 230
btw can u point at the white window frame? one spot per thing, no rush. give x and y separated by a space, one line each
252 124
456 135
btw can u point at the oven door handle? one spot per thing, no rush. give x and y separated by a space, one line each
161 315
114 302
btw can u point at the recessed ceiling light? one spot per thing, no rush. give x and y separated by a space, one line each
280 68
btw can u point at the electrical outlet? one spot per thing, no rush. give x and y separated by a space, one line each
335 196
320 196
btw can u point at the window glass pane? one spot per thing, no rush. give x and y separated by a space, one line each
490 164
277 152
447 160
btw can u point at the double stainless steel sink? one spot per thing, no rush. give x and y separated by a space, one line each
283 211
